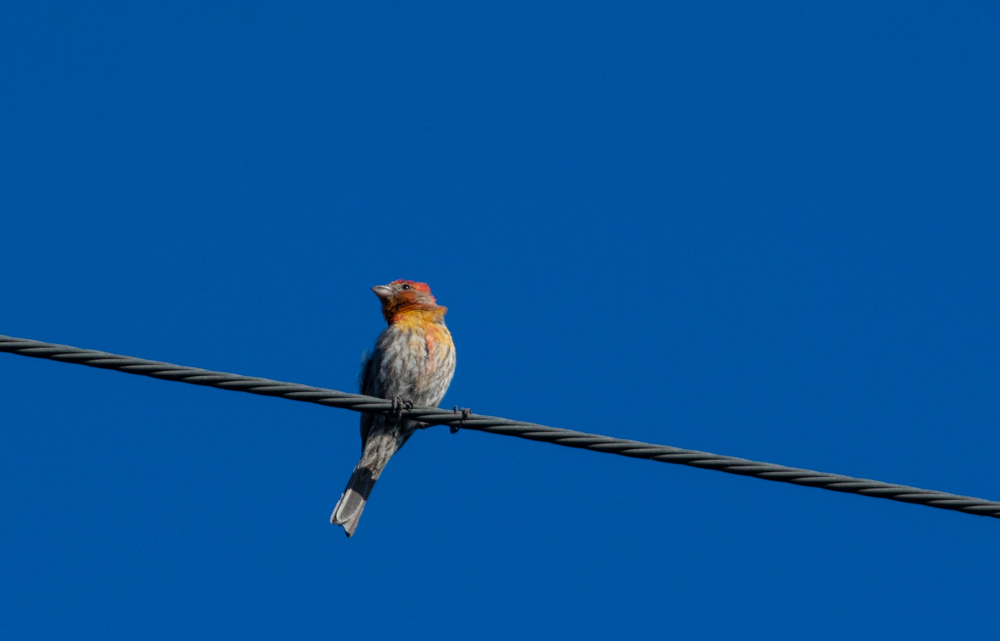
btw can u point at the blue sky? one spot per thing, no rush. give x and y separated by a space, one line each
764 230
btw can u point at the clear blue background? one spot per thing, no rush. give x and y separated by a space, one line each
767 230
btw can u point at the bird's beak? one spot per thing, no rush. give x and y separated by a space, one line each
382 291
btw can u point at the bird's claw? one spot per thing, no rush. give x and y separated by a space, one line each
465 414
399 404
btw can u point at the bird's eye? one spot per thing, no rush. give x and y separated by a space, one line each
405 287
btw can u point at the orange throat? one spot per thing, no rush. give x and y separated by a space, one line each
414 315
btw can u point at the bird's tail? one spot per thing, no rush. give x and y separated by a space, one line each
379 448
352 501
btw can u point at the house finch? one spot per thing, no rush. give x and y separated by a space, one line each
412 364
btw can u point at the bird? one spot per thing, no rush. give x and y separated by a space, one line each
412 363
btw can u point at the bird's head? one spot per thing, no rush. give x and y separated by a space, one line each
404 297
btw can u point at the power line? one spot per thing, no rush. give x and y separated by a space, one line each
496 425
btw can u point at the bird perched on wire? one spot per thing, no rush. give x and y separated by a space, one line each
412 364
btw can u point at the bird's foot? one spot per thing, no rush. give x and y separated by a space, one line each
399 404
465 414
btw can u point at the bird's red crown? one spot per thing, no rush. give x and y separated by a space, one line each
423 287
409 299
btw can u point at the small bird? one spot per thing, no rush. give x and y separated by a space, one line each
412 364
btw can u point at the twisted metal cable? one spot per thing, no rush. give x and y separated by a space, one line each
496 425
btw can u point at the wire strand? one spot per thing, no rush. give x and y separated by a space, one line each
497 425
